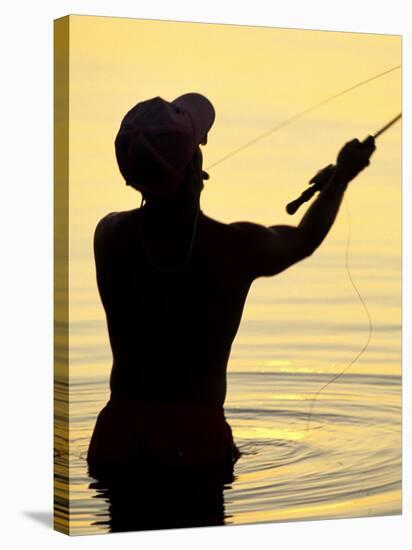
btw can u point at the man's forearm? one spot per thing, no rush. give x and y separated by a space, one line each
319 218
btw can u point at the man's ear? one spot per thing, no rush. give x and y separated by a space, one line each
194 168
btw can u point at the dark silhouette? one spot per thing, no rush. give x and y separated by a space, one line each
173 283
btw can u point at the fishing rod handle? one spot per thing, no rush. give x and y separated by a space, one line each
318 182
293 206
321 178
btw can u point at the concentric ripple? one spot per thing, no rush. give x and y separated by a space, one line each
347 464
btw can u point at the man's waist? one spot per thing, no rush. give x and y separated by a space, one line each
161 406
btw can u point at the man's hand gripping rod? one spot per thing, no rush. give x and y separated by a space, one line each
323 176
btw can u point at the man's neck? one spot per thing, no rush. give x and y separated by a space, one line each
178 208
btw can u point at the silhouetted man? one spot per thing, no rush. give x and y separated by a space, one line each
173 283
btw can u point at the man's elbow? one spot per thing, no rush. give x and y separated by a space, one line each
308 250
298 254
307 246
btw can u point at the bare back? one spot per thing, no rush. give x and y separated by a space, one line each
171 332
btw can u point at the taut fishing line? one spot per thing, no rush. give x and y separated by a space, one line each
283 124
293 118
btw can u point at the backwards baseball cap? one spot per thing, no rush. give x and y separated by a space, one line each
157 139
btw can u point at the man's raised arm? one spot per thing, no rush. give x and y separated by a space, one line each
273 249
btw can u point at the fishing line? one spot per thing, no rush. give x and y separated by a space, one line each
293 118
347 267
370 324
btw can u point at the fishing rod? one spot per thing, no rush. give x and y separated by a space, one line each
319 181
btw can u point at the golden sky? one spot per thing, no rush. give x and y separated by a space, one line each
256 78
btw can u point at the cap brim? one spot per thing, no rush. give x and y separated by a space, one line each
201 112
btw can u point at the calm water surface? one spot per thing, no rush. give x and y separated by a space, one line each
292 340
346 464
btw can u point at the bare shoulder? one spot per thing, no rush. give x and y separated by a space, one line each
243 237
110 222
106 220
249 229
240 230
